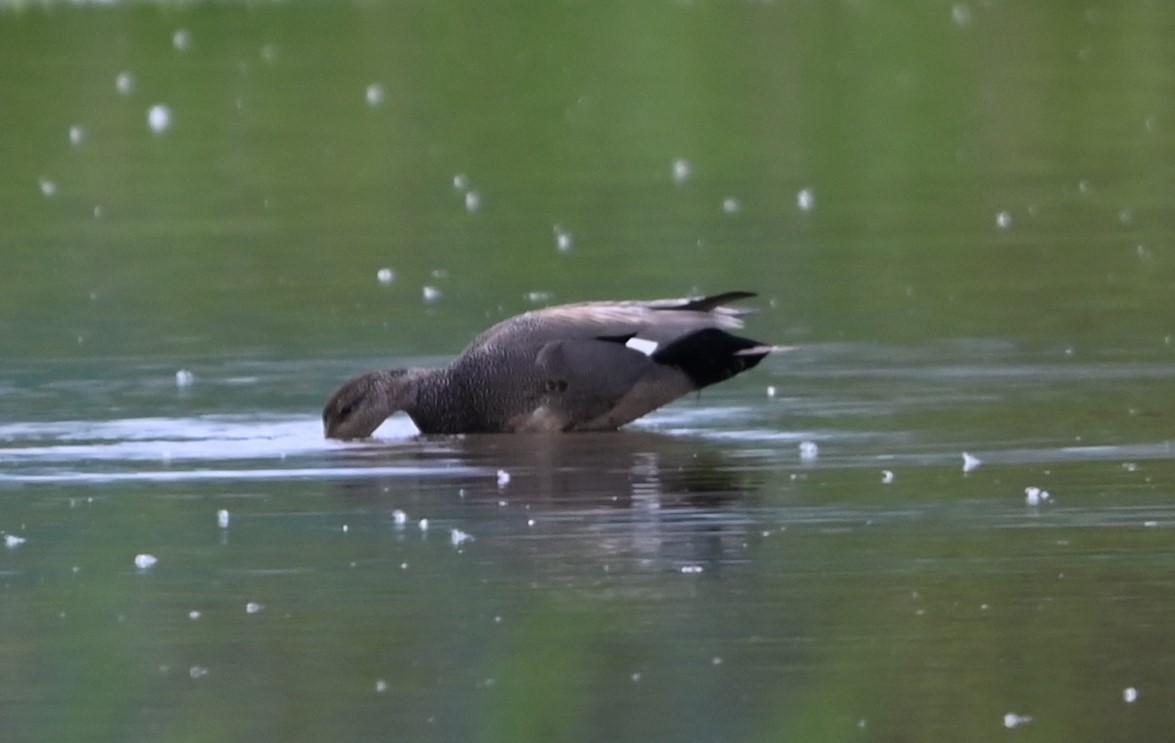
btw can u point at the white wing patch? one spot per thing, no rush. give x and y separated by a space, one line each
644 345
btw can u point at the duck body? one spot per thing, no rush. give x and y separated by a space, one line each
592 366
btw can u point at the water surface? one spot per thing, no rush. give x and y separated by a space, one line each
957 213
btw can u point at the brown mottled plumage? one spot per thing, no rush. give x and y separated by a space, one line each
592 366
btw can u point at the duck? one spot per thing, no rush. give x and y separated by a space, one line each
589 366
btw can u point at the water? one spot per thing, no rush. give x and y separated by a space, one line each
967 240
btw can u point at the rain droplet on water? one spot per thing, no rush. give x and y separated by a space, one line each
970 462
806 199
1034 496
159 118
124 82
375 94
1013 720
563 239
809 450
182 40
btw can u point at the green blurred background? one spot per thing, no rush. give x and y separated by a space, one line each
256 223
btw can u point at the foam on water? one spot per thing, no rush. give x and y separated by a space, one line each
258 447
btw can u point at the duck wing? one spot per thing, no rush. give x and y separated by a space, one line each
639 323
608 363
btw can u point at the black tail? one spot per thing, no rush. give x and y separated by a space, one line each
711 355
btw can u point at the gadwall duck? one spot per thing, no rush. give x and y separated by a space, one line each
592 366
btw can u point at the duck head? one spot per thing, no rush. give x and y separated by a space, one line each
362 403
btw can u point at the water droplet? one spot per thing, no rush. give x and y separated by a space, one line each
1032 496
124 82
159 118
182 40
806 199
731 205
970 462
681 170
1013 720
385 275
961 14
809 450
472 201
563 240
144 561
375 94
1003 220
77 134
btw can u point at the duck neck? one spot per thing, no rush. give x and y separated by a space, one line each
438 404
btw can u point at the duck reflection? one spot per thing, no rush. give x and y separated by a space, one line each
639 470
572 504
